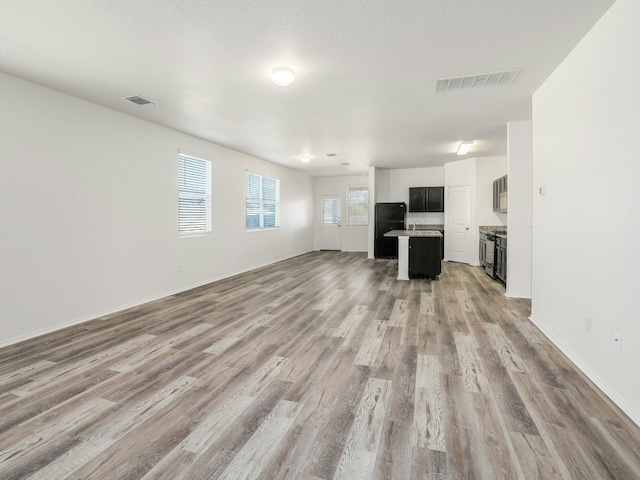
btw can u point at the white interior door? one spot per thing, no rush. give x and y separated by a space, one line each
458 228
330 232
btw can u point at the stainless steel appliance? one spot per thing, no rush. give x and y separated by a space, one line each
388 216
487 252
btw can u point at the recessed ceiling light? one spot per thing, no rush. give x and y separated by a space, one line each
282 76
464 147
305 159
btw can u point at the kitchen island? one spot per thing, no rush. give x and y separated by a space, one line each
418 253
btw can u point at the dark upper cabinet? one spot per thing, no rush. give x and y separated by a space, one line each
435 199
418 199
500 188
426 199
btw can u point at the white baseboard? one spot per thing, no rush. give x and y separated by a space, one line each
111 311
509 294
96 316
609 391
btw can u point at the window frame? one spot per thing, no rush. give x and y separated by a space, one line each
365 205
186 192
260 202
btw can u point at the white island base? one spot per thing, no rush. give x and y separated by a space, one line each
403 257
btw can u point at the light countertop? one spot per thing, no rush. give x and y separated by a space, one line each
491 228
411 233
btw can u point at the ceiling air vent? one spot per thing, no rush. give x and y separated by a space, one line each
478 80
138 100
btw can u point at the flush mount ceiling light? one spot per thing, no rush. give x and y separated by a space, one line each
305 159
282 76
464 147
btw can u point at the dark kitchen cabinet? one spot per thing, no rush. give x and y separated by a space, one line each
424 257
500 188
435 199
418 199
501 258
426 199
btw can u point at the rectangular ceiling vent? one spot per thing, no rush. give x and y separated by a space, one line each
138 100
478 80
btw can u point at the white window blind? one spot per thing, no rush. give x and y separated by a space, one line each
263 201
358 206
194 196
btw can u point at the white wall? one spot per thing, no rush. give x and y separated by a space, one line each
585 230
354 238
393 186
373 195
88 207
520 209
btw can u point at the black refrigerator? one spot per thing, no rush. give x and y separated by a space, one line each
389 216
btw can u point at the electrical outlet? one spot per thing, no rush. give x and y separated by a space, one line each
588 323
181 268
617 342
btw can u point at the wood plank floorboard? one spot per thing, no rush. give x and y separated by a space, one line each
320 367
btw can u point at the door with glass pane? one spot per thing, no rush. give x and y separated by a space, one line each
330 238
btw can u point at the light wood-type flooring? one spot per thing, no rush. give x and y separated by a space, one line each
323 366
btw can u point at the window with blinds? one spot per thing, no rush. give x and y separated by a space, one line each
358 206
194 196
263 202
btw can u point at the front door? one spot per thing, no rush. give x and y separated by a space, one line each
330 238
459 224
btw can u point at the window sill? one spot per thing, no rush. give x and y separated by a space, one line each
262 229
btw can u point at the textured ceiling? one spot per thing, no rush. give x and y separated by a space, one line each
366 70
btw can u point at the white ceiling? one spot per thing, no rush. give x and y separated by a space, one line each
365 69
